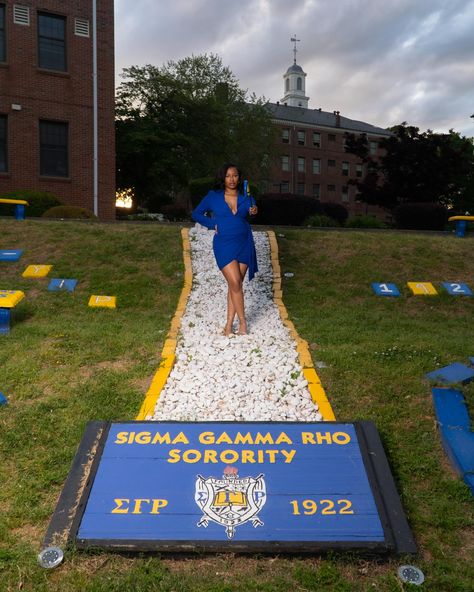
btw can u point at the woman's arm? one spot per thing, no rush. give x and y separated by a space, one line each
198 213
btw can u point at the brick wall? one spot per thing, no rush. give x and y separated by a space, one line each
58 96
330 149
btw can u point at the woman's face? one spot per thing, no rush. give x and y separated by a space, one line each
231 178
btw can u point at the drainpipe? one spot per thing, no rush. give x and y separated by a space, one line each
95 109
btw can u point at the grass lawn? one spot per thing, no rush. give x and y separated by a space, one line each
64 364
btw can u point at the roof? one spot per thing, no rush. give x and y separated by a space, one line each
322 118
294 68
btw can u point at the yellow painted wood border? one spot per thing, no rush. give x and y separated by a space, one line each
315 387
169 347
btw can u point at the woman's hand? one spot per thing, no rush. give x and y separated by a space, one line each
253 211
215 229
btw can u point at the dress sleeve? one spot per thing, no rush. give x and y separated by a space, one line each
198 213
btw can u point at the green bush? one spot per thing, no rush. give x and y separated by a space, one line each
39 202
72 212
421 216
321 221
365 222
174 212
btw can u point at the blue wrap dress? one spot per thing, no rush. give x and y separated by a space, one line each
234 239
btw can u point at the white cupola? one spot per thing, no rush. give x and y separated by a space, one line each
294 84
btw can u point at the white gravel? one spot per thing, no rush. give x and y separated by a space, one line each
256 377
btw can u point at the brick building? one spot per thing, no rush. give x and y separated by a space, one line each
313 160
56 124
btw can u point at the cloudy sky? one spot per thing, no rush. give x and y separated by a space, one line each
379 61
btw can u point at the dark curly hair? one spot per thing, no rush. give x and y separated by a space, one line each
221 173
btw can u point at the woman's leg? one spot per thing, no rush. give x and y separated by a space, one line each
230 305
234 273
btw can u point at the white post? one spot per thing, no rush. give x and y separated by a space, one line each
95 109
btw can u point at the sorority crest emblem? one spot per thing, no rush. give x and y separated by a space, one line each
230 501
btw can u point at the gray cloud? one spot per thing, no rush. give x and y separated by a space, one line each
380 62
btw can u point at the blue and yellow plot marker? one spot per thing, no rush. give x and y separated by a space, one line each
385 289
8 300
422 288
60 284
457 289
103 301
37 271
3 399
10 254
228 486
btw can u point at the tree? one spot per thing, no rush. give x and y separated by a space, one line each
418 167
182 121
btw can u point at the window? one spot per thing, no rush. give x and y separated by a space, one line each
299 83
331 163
373 147
301 137
345 169
317 139
3 144
301 164
54 149
332 137
285 136
331 188
285 163
52 42
316 166
345 194
300 188
287 84
3 51
359 170
316 190
284 187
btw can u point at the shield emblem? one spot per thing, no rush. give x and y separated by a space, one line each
230 501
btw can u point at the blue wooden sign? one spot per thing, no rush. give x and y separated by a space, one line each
385 289
235 486
59 284
10 255
457 289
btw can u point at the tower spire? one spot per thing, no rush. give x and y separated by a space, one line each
295 41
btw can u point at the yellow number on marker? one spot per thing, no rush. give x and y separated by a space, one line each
329 507
346 506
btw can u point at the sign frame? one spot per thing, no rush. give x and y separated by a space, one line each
66 520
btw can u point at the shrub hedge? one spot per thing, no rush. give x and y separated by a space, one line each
71 212
39 202
293 210
421 216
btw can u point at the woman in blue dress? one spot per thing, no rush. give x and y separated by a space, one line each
234 248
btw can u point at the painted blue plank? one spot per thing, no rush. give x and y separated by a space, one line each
10 254
61 284
457 289
454 373
5 316
459 445
180 481
450 407
386 289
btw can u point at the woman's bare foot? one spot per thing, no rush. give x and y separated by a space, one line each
243 328
227 331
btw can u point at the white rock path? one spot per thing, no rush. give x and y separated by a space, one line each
256 377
